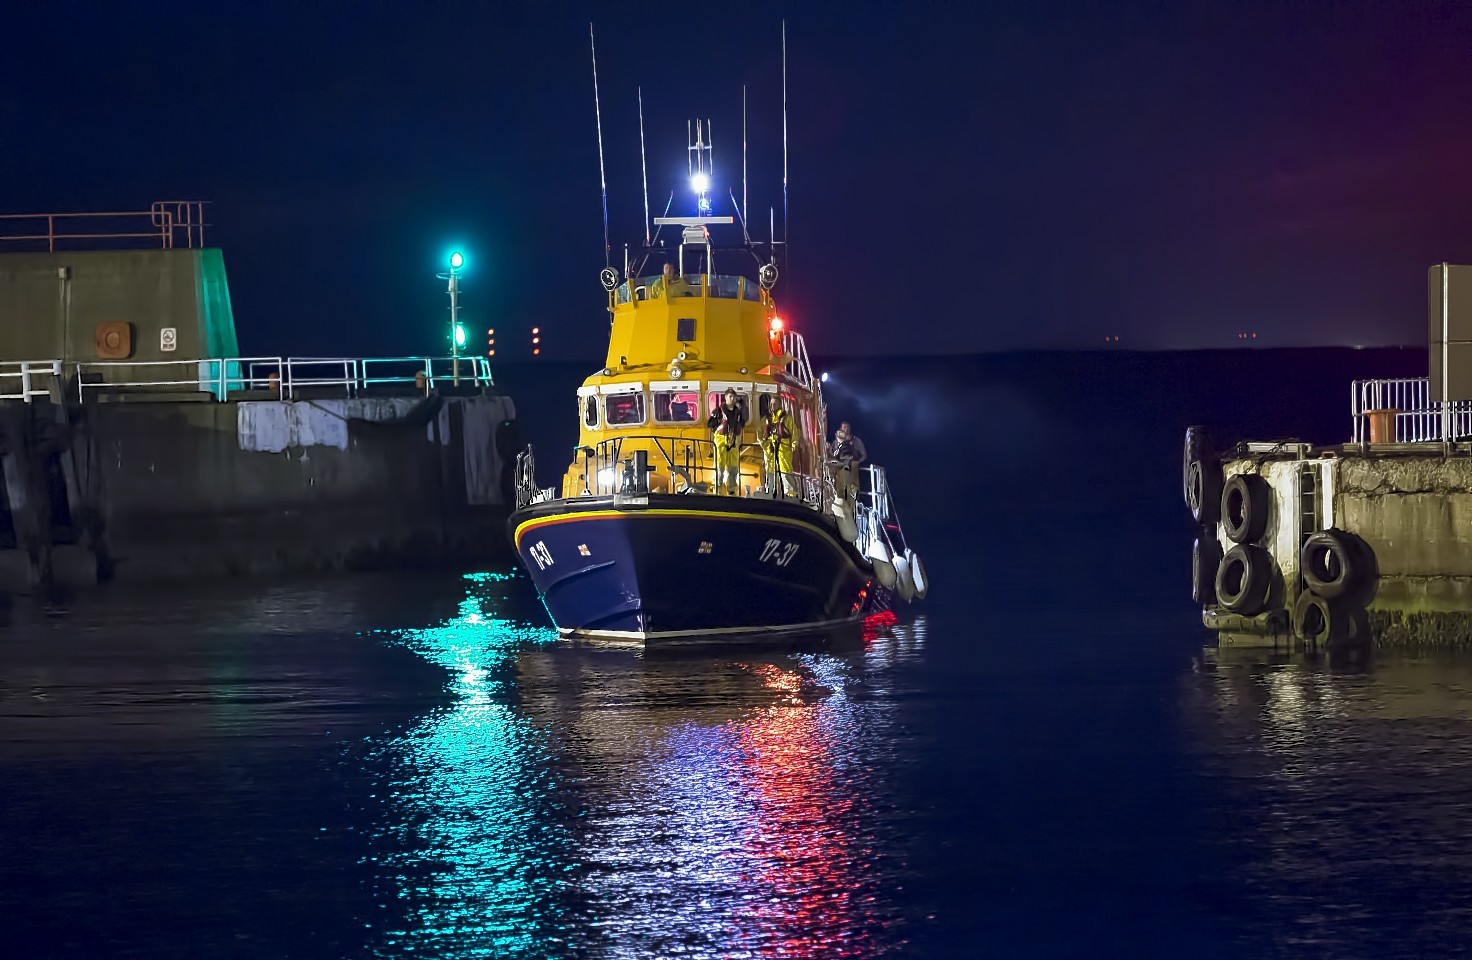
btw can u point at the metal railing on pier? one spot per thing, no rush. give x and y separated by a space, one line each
27 379
283 378
1406 401
166 223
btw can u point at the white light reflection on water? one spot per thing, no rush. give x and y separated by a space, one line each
759 834
475 850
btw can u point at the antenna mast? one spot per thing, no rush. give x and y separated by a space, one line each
598 117
743 152
701 164
787 254
644 167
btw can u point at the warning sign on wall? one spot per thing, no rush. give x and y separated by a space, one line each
168 339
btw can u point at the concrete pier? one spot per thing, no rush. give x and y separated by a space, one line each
1405 515
199 489
136 443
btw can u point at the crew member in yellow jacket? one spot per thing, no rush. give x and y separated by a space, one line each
777 448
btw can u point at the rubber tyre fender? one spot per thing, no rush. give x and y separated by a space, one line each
1206 557
1329 565
1320 621
1244 509
1196 447
1243 579
1204 491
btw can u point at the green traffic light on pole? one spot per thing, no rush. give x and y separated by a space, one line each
457 260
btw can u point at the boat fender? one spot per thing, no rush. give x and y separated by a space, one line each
1329 565
1243 578
1320 621
1246 499
883 565
847 528
917 574
903 582
1206 556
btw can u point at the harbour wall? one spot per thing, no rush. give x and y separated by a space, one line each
140 491
173 304
1408 520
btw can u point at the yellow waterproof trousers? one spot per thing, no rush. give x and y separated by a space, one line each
728 464
781 463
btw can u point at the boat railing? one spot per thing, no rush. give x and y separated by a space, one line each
874 512
722 286
1408 402
525 481
799 367
283 378
608 469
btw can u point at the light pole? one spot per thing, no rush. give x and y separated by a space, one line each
457 260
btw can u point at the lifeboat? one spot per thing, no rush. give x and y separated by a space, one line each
640 538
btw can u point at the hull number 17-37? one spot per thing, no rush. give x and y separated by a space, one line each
778 552
541 554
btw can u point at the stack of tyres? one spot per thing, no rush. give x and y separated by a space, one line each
1245 576
1337 571
1201 481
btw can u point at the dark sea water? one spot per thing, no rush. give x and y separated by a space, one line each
1046 761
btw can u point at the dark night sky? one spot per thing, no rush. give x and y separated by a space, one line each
1022 177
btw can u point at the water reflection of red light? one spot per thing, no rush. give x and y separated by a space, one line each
875 622
815 900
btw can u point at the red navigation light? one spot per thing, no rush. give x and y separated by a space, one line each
774 336
536 351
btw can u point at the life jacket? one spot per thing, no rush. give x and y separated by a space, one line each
779 424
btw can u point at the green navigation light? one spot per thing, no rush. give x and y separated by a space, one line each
459 334
457 260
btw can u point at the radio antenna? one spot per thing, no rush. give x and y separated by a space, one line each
644 166
650 249
743 154
598 118
740 216
786 252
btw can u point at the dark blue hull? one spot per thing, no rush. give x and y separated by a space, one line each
673 567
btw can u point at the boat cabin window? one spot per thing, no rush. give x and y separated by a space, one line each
676 406
624 409
685 329
590 411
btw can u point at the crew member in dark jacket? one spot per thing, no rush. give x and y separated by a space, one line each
847 454
727 421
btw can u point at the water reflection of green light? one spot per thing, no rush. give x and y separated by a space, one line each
478 849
